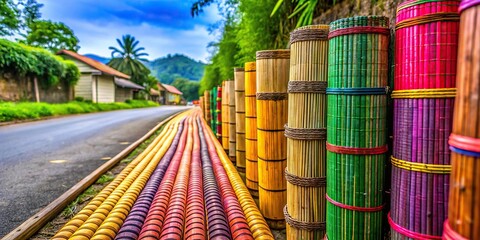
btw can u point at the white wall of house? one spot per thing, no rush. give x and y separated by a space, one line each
83 88
105 88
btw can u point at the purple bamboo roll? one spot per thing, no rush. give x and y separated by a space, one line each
218 227
135 219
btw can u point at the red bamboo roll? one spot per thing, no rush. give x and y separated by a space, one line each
219 112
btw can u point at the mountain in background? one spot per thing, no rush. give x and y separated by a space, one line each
168 68
103 60
171 67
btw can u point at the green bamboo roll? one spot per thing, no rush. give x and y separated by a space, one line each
306 133
356 126
232 131
225 116
213 110
240 120
251 170
208 116
272 80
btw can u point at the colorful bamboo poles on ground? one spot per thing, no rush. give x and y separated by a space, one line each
251 129
240 120
272 80
463 212
306 133
424 91
180 200
356 131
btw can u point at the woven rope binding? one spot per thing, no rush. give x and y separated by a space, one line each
305 133
408 233
309 226
273 54
428 18
359 30
425 93
354 208
357 91
421 167
357 151
309 34
449 233
464 142
305 181
307 87
274 96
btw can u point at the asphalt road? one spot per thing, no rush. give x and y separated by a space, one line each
41 160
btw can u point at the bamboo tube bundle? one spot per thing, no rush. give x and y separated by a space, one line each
219 113
213 110
306 133
225 115
251 165
356 129
240 120
232 130
463 211
208 116
272 80
425 57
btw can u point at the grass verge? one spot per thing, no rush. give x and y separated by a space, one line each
10 111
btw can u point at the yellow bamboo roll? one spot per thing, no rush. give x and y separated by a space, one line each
232 153
306 133
240 120
225 115
206 99
272 80
251 170
201 104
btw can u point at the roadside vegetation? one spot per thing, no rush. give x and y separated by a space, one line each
29 110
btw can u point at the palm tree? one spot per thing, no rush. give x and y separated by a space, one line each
128 59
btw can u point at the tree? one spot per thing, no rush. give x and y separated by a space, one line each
31 11
53 36
128 59
9 18
187 87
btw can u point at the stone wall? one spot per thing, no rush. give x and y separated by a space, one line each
22 89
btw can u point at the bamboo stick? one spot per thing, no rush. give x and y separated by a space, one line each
240 121
251 129
232 135
272 80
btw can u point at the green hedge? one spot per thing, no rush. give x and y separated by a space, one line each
27 110
25 61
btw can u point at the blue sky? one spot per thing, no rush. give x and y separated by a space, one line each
162 26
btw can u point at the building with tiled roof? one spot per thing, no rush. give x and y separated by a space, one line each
169 94
99 82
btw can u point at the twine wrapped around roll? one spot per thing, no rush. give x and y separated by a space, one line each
463 211
306 133
251 129
425 67
232 135
357 78
272 80
207 102
240 121
225 115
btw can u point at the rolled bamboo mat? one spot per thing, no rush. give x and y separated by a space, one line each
202 105
463 207
251 129
356 129
272 81
225 115
206 99
240 120
220 114
232 130
213 110
306 133
423 97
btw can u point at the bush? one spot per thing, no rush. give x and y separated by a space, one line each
28 110
79 99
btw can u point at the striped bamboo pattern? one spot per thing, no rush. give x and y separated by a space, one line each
219 113
272 80
232 130
225 115
207 101
464 198
213 110
425 62
251 129
307 119
356 129
182 187
240 120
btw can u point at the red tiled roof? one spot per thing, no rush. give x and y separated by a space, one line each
95 64
172 89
